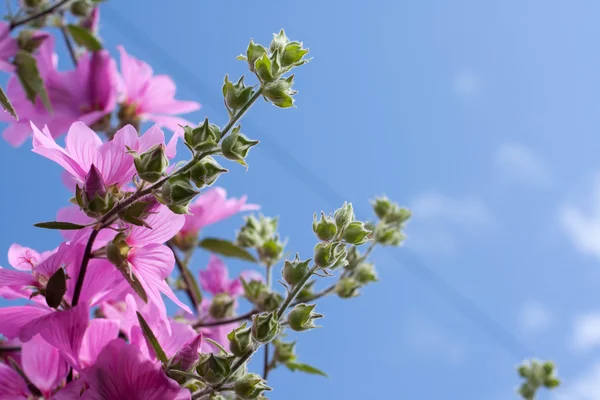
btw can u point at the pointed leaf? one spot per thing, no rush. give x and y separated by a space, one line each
56 288
7 105
195 288
151 338
29 76
84 38
133 282
64 226
226 248
296 366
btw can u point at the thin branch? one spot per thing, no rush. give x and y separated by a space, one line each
42 13
68 42
266 362
7 349
239 318
187 278
87 255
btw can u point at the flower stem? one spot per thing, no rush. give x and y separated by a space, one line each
239 318
68 41
191 287
47 11
87 255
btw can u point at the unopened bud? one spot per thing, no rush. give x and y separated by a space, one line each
284 352
280 40
236 95
117 250
293 271
347 288
253 53
344 216
177 192
302 317
269 301
202 138
240 340
185 358
236 146
293 55
94 184
280 92
325 229
253 290
222 306
250 387
265 327
152 164
356 233
213 368
389 235
263 68
81 8
205 172
32 3
29 40
271 250
365 273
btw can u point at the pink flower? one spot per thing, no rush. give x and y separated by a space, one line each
84 148
92 21
213 206
215 279
8 48
151 97
188 354
122 372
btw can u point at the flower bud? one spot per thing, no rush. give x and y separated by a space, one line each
325 228
213 368
280 92
29 40
263 68
301 318
271 249
188 355
236 96
389 235
280 40
185 242
81 8
356 233
117 250
269 301
222 306
202 138
284 352
253 290
240 340
293 55
323 256
344 216
177 192
293 271
253 53
137 212
205 172
381 206
365 273
250 387
265 327
347 288
151 164
397 215
32 3
236 146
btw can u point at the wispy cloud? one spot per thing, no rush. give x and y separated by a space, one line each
584 387
466 83
586 332
437 220
582 225
521 164
428 339
535 318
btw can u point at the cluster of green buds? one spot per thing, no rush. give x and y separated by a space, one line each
536 375
269 66
261 234
392 219
357 273
261 296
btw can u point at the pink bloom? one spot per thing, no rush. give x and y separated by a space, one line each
122 372
151 97
84 148
213 206
12 385
8 48
188 354
215 279
43 365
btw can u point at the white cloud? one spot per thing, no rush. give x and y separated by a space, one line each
586 332
584 387
583 226
522 164
426 338
535 317
466 83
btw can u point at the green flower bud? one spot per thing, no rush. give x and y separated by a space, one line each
177 193
330 255
269 301
389 235
397 215
240 340
253 53
32 3
280 92
353 257
250 387
280 40
81 8
222 306
325 228
117 250
236 146
381 206
271 250
203 138
356 233
263 67
284 352
293 55
293 271
523 371
185 242
253 290
265 327
347 288
339 256
216 396
213 368
344 216
205 172
137 212
236 96
152 164
28 41
365 273
301 318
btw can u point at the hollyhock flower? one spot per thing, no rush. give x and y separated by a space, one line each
150 97
215 279
122 372
8 47
84 148
213 206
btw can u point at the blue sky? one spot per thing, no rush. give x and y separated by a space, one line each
481 116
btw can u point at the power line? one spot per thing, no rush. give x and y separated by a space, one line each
286 159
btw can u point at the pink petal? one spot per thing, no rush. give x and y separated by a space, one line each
16 278
43 365
12 386
23 258
65 331
136 75
180 334
215 279
164 223
99 333
188 354
44 144
71 392
13 319
153 136
115 164
82 145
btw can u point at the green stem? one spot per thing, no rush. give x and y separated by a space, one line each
191 286
68 42
238 115
294 292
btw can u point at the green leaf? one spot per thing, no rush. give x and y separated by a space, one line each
29 76
195 288
226 248
56 288
160 353
64 226
84 38
297 366
6 104
133 282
